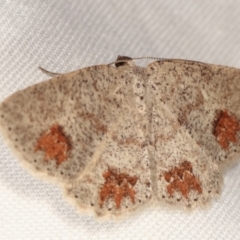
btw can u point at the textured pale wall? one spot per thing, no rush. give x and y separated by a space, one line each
62 36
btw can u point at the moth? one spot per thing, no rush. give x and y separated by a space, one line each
119 138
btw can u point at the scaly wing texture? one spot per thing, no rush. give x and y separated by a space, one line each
119 138
86 130
205 100
66 113
119 180
184 175
190 101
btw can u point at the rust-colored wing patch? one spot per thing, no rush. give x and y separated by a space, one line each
55 144
226 128
117 186
182 179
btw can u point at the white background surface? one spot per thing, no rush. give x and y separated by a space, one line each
62 36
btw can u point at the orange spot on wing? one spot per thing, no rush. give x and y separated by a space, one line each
55 144
226 128
117 186
182 179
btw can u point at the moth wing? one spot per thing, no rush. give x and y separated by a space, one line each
118 181
55 127
106 168
185 175
203 97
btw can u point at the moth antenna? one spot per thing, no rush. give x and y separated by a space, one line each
152 58
51 74
127 59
